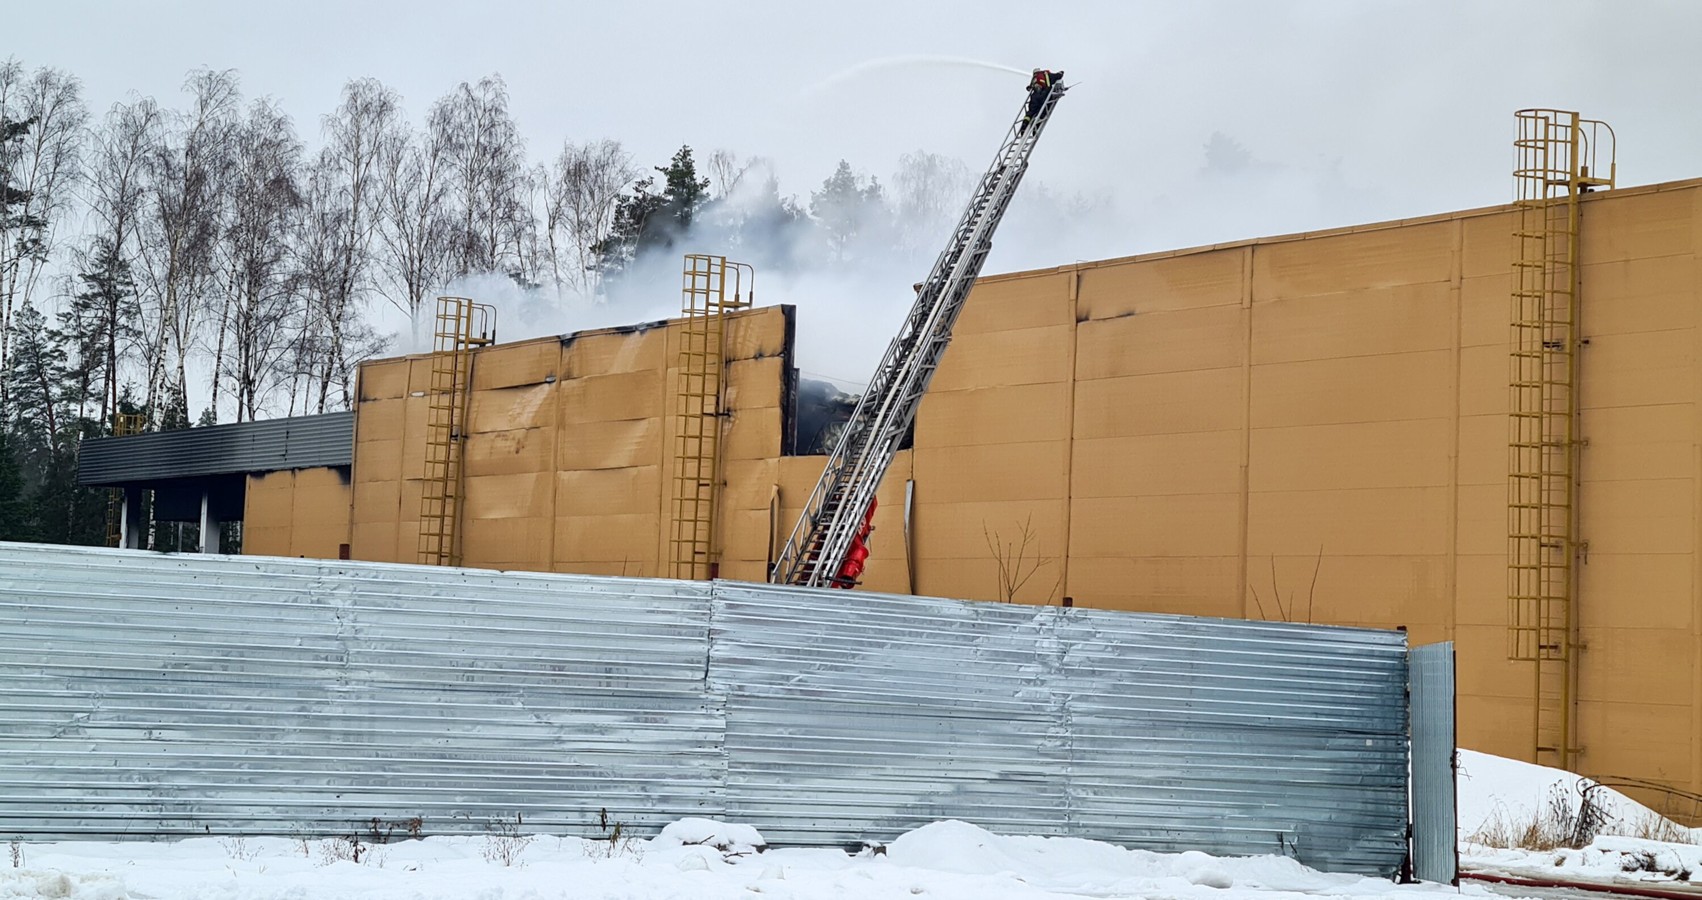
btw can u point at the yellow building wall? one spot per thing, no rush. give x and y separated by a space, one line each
569 457
304 513
1310 427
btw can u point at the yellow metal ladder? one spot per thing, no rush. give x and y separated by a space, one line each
1556 153
462 327
711 287
123 425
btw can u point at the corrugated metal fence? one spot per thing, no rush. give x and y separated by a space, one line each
151 695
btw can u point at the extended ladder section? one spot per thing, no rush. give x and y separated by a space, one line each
123 425
839 511
462 327
1556 163
712 287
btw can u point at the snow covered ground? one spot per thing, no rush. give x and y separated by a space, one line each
945 860
696 858
1503 801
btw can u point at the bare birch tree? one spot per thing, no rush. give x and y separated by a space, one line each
414 234
117 185
487 189
180 232
584 185
264 199
41 132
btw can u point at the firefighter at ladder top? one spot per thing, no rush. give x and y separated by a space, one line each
1039 88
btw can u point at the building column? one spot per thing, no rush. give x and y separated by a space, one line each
130 522
209 525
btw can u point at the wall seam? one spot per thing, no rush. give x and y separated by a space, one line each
1245 504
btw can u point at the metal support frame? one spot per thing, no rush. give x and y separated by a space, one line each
1557 161
711 286
462 327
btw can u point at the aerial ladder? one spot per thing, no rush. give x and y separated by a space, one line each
828 546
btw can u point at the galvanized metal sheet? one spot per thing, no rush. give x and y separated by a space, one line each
1435 845
186 694
298 442
149 694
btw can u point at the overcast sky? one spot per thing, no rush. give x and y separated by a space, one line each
1348 111
1408 103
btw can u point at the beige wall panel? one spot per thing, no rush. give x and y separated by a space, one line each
1377 522
1010 303
1484 377
1191 281
1483 449
1635 295
1653 516
1481 527
415 412
510 543
610 398
1488 246
521 363
744 534
1661 223
380 420
751 434
379 501
267 502
630 537
508 452
1180 525
1372 591
758 334
1639 369
609 445
1636 664
375 542
1172 341
1207 462
1029 471
604 492
1026 412
1406 453
1367 389
963 579
1484 669
1498 725
1364 323
965 530
526 495
501 409
754 383
1480 589
1181 585
994 359
1485 310
1171 403
1652 740
1351 262
1638 590
615 352
1639 442
749 483
383 380
378 460
419 375
270 540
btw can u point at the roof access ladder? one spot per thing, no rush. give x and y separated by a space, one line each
837 518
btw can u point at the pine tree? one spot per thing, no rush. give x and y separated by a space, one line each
16 517
647 221
849 210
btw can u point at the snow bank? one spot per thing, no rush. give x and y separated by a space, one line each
692 858
1495 790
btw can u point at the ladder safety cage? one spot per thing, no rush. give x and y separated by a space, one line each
1558 158
837 517
711 287
462 327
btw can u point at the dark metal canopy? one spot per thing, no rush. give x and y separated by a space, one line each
301 442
